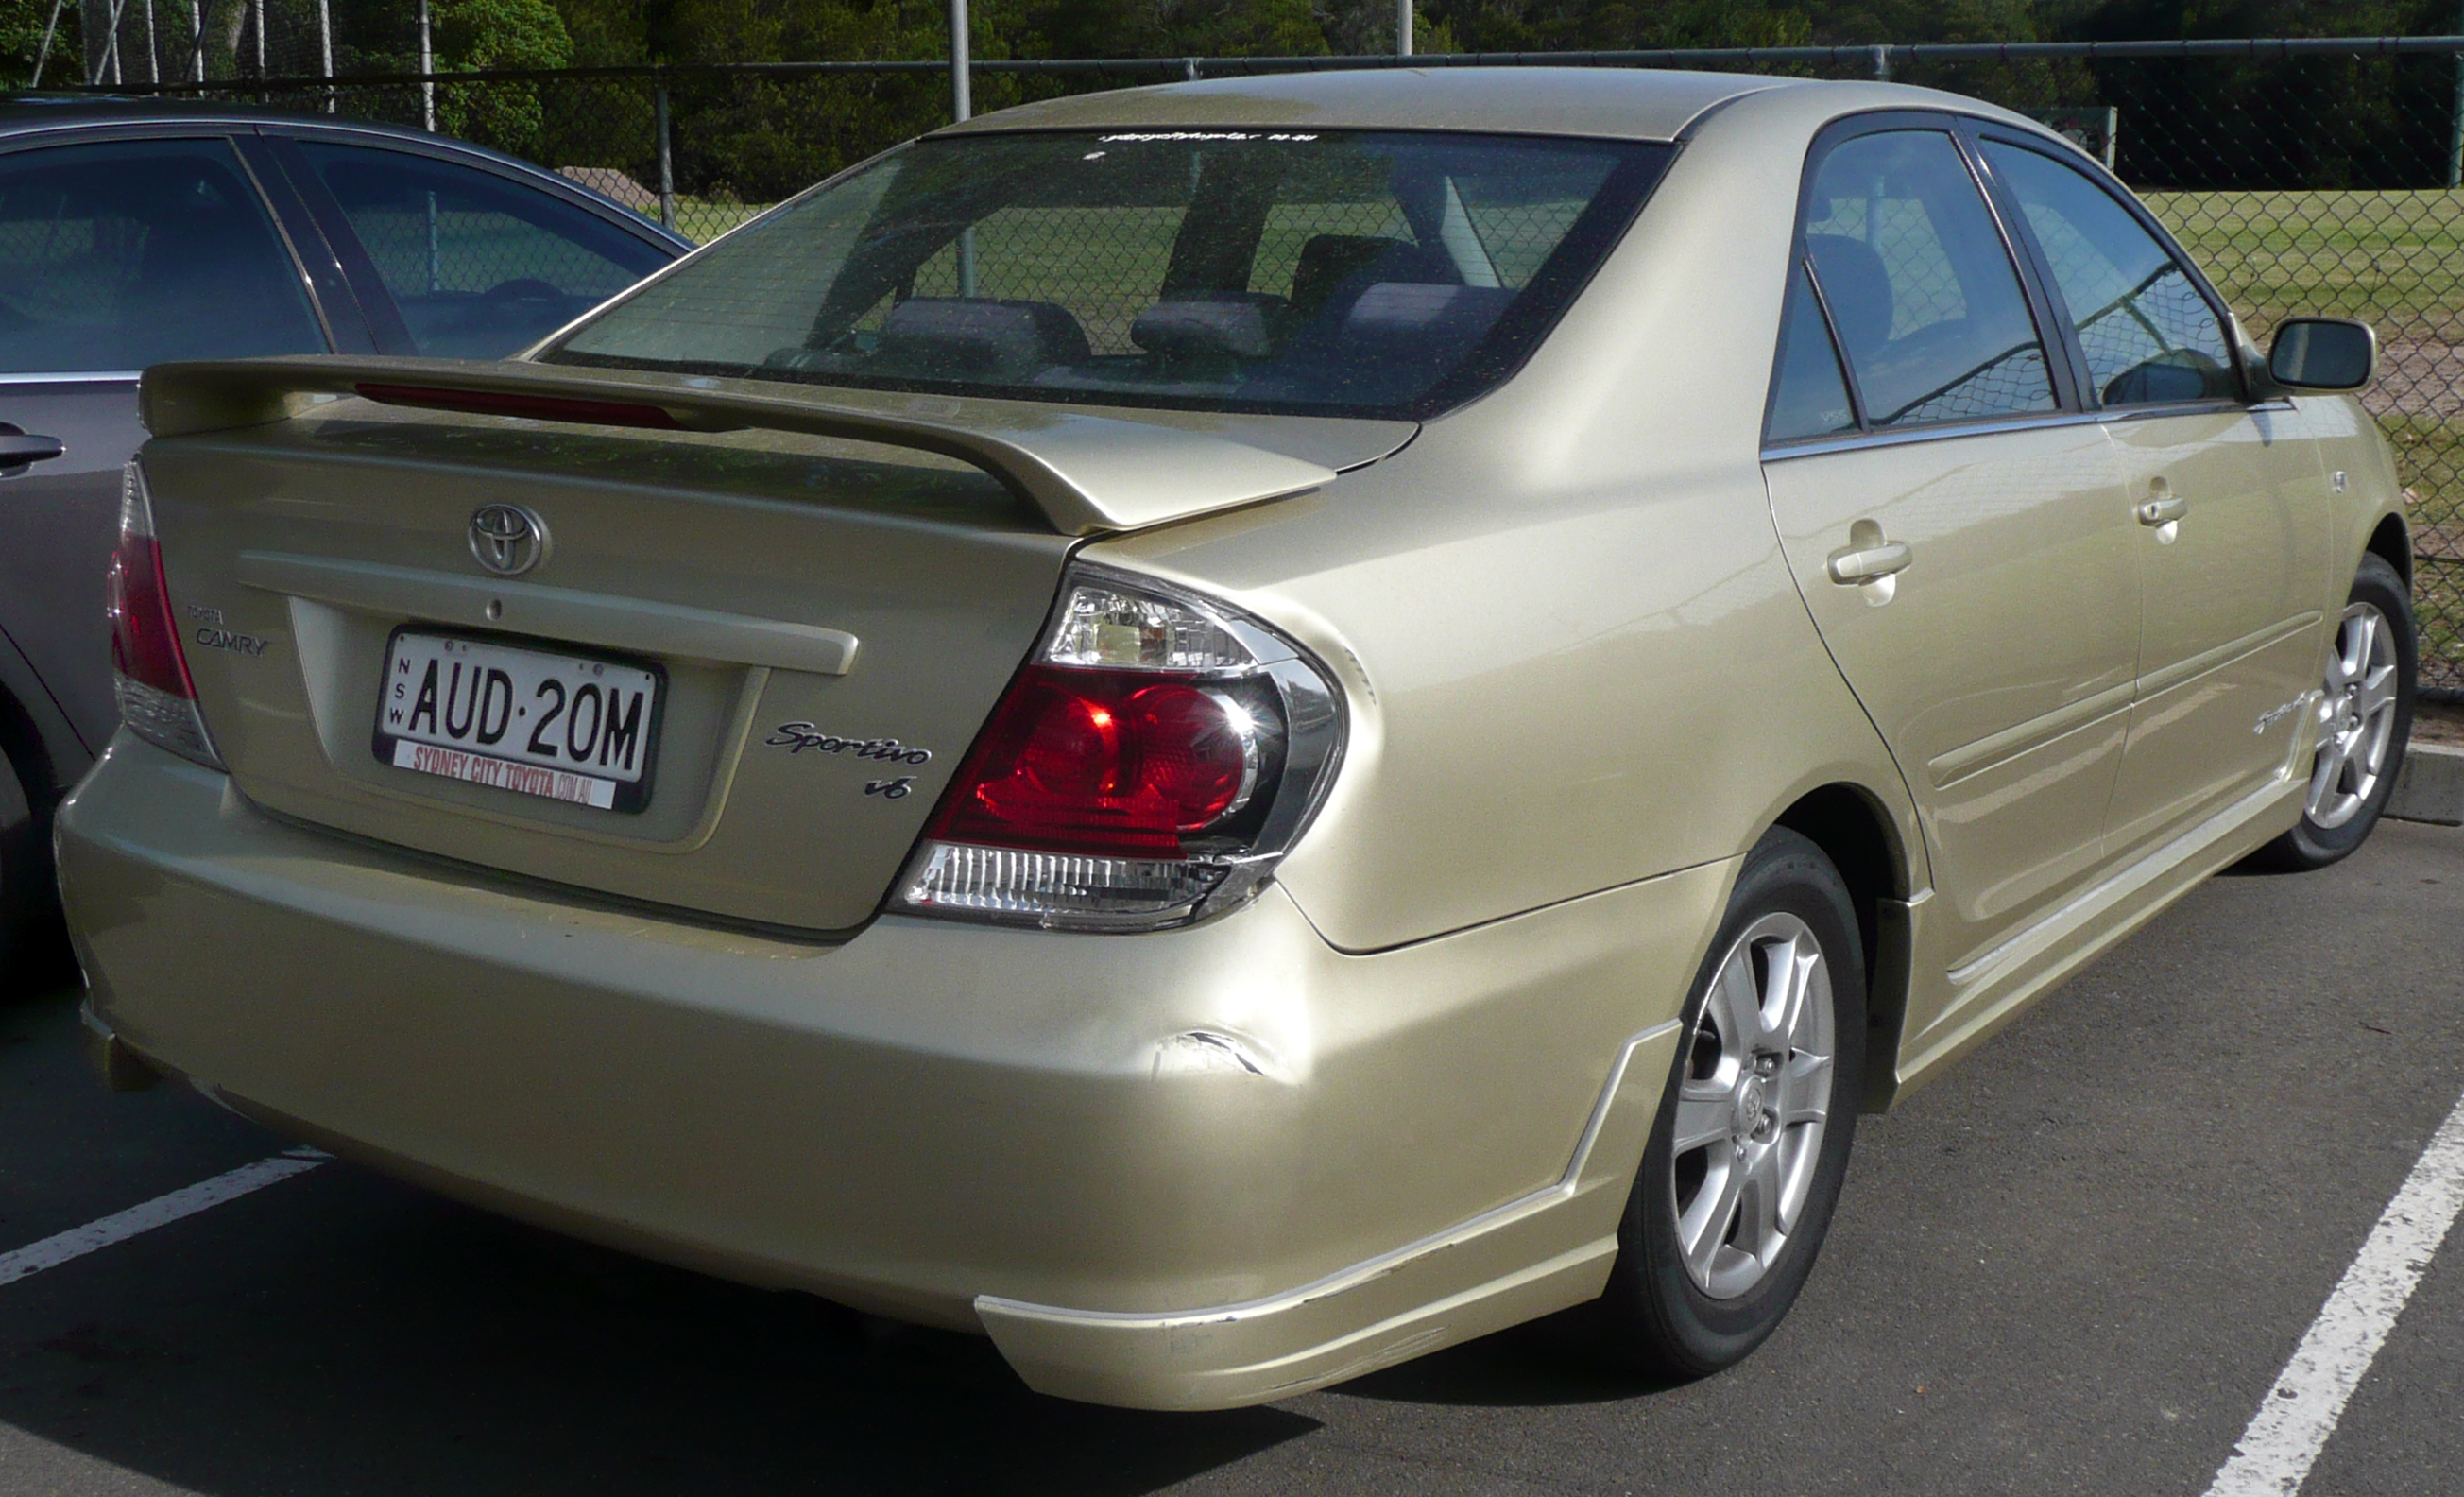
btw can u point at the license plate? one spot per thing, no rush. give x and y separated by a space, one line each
568 727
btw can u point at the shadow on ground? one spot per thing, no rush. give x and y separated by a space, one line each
344 1334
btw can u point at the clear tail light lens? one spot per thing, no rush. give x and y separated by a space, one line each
150 672
1147 767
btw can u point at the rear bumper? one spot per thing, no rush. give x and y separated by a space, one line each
1188 1169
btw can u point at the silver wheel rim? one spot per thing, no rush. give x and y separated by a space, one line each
2356 717
1751 1107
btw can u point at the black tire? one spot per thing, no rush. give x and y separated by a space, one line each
25 871
2309 844
1654 1318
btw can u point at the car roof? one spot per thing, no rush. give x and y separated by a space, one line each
1617 103
23 114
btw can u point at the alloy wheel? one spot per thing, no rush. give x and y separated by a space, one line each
1752 1106
2356 717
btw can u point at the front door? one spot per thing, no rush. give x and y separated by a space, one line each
1954 525
2228 497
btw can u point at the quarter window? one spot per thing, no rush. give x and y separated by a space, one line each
2148 335
1809 398
117 255
1921 288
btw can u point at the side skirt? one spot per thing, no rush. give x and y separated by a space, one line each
1989 992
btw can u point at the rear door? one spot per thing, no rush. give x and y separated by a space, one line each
2230 497
115 254
1952 521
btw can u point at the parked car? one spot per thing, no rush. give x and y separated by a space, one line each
132 232
1231 731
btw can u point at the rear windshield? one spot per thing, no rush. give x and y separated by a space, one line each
1326 274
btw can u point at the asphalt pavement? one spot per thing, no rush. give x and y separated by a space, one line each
2076 1264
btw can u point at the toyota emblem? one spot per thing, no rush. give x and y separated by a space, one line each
507 539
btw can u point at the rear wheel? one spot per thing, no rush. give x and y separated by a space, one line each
2364 719
1746 1159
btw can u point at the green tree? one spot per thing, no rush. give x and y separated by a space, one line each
21 39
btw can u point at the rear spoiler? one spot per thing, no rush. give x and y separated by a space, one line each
1085 472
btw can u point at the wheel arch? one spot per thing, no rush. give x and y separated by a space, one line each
1852 826
2393 543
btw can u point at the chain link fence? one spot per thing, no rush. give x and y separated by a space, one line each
2308 176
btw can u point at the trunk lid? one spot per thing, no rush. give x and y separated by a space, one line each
833 621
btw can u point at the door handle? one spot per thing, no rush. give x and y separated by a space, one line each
1854 567
17 448
2163 510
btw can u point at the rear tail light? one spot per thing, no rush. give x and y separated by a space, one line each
1148 767
157 699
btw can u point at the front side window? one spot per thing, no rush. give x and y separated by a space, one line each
2148 335
478 265
119 254
1332 272
1920 285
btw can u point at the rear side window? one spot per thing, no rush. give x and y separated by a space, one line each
1809 398
478 265
1309 272
2148 335
119 254
1920 285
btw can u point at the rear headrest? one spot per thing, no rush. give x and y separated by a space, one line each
981 339
1407 310
1328 260
1234 324
1856 288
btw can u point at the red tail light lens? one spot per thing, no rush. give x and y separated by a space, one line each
158 700
1147 767
1108 761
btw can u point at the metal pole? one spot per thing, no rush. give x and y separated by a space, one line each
427 65
961 105
667 161
111 46
325 46
2455 119
1403 27
43 54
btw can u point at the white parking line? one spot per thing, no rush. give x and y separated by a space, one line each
2300 1411
121 1226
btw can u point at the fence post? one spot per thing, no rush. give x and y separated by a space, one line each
961 106
427 65
2455 118
1881 64
666 157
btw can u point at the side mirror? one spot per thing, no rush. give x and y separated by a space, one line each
2317 353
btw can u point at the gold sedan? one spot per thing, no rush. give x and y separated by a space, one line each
1232 732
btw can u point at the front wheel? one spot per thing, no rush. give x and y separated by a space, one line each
1746 1159
2364 721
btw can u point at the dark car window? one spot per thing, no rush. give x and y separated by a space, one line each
478 265
1312 272
1808 397
2148 335
1920 287
118 254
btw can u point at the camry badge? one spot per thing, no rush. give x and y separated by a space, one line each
507 539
